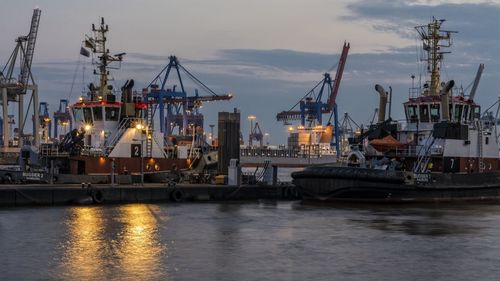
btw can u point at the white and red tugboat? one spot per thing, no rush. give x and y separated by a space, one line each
112 135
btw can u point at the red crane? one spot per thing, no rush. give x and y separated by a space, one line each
312 108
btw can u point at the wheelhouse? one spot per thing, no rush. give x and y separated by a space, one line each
427 109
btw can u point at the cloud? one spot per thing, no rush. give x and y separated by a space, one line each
265 82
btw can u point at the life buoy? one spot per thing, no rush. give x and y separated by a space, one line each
177 195
97 196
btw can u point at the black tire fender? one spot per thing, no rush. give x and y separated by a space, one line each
177 195
97 196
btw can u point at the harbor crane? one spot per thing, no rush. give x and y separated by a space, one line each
44 121
256 134
312 108
13 89
472 93
182 109
62 119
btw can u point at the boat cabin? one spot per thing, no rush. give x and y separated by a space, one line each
99 118
427 109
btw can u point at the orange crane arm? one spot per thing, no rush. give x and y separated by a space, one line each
338 76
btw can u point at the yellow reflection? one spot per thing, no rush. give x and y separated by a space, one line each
118 243
140 250
83 256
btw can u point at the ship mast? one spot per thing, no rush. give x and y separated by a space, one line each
433 40
98 46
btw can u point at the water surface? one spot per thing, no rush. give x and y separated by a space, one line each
251 241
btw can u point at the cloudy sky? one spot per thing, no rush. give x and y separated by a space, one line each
268 53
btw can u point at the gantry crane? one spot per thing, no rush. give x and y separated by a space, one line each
62 118
14 89
256 134
44 121
312 108
182 109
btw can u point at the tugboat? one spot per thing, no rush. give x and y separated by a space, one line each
112 136
444 151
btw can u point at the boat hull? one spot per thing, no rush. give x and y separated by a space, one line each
367 185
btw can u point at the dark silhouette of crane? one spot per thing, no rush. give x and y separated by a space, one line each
256 134
62 118
12 89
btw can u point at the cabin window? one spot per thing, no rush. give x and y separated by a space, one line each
77 114
412 113
458 112
112 113
424 113
477 112
87 115
466 112
98 113
435 112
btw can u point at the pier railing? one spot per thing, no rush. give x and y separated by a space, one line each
52 150
412 151
284 152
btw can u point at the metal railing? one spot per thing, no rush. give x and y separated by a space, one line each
290 153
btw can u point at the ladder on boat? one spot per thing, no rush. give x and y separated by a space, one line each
150 122
480 146
424 155
116 136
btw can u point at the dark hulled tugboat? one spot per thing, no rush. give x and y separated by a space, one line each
444 151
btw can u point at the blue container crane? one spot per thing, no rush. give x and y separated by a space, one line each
62 117
312 108
178 103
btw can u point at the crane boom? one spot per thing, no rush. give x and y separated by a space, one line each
314 108
476 81
30 47
338 76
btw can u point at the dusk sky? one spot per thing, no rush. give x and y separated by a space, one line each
267 53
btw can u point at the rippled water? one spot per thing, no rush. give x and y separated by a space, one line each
251 241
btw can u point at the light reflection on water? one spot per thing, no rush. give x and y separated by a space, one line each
112 244
251 241
83 251
139 248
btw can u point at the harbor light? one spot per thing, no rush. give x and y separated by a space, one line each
102 161
139 126
87 127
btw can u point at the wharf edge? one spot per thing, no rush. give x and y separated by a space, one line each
83 194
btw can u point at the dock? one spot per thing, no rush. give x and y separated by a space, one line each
78 194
